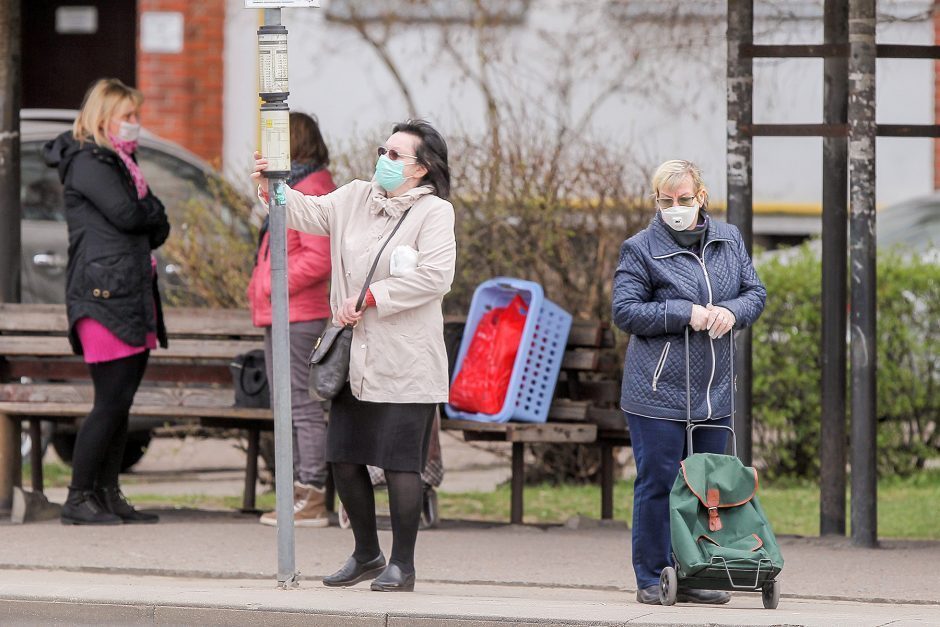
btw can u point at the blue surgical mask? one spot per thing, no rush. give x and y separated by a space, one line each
390 175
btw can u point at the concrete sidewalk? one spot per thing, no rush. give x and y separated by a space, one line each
46 597
199 567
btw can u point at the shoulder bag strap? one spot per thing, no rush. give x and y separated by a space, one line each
375 264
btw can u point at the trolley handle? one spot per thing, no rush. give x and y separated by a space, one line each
690 427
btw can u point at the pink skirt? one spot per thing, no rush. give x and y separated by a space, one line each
99 344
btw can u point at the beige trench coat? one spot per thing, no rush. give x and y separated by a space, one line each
398 353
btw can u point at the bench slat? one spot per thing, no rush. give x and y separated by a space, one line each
524 432
149 411
204 397
73 368
45 346
566 410
180 321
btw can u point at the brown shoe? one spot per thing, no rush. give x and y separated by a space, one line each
309 508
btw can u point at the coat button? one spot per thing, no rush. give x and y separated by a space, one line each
362 346
106 294
96 292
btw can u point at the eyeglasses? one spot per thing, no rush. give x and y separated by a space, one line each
394 154
685 201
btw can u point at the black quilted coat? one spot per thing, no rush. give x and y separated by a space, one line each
111 233
656 283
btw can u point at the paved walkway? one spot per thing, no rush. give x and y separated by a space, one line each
219 568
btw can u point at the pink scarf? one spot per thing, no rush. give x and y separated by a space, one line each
124 150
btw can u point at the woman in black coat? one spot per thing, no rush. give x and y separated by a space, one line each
114 312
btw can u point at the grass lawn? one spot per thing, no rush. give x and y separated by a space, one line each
907 508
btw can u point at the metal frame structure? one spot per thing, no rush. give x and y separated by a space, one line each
10 215
849 132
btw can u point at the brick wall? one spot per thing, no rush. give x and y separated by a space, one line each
184 90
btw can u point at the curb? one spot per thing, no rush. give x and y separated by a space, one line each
271 577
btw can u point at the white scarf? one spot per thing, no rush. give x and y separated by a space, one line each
393 207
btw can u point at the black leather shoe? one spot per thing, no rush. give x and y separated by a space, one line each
353 572
114 501
649 596
82 508
393 579
707 597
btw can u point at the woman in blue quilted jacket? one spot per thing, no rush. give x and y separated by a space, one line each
685 271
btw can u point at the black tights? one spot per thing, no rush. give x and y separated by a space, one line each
99 447
405 494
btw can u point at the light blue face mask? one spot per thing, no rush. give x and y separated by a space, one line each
390 175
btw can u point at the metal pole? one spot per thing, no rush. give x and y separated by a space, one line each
10 215
280 398
832 437
862 132
740 188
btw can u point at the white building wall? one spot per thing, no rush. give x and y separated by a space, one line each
335 75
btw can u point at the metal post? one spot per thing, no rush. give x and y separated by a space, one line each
832 437
862 132
280 398
740 186
10 215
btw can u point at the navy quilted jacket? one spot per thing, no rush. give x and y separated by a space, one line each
656 283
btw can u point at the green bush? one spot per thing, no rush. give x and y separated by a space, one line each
787 364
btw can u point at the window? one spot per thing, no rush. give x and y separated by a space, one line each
40 190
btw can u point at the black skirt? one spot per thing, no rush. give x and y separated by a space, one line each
391 436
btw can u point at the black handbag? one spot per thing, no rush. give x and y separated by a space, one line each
250 380
329 360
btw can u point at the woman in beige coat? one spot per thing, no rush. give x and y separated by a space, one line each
398 364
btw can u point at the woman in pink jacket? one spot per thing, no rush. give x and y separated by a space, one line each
308 285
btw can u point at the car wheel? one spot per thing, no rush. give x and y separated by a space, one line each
64 445
137 443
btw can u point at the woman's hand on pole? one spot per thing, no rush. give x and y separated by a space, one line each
261 164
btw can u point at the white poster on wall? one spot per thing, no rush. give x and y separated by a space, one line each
80 20
161 32
282 4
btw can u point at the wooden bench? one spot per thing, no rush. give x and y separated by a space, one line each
585 410
40 378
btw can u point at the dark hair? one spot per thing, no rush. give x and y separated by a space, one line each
431 153
306 142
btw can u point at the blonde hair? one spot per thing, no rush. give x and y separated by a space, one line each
672 173
99 106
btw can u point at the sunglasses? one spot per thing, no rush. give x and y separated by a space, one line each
394 154
683 201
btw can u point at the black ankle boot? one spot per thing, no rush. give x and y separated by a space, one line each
82 508
114 501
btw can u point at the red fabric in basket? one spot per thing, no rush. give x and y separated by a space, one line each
483 380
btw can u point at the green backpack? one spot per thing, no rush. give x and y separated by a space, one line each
721 538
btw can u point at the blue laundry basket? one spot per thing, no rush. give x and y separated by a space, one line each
541 350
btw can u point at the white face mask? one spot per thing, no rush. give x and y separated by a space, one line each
128 132
679 218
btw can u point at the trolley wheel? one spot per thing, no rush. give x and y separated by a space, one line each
770 594
668 586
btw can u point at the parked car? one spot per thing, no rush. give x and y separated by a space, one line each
911 227
176 176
